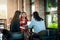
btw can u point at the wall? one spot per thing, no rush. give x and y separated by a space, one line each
12 6
3 9
39 6
27 8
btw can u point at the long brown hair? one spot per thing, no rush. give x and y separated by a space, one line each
15 23
16 16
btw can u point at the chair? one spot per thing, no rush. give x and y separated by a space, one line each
49 35
17 36
12 36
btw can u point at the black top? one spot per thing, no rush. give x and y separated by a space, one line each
15 26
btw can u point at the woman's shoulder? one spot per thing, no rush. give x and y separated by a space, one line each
33 19
42 21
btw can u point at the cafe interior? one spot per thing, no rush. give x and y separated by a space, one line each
48 9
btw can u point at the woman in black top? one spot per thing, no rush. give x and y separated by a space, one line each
15 23
15 33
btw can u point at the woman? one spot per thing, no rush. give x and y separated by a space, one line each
15 23
23 22
37 23
15 28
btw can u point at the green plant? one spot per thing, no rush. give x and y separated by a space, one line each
53 25
52 3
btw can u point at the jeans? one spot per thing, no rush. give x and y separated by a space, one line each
17 36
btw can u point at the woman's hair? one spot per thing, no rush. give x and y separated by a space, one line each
16 16
36 16
25 14
15 23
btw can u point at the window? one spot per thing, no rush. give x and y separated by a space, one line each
3 9
52 21
51 17
32 0
32 6
50 4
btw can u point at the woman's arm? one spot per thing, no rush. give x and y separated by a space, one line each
31 24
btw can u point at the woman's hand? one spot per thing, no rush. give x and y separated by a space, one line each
22 22
24 25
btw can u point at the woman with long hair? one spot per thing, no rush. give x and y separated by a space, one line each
23 21
23 24
37 23
14 33
15 23
36 16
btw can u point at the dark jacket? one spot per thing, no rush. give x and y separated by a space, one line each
15 26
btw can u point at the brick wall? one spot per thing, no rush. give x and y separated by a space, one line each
39 6
27 8
12 6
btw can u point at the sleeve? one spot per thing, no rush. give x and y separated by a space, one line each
31 24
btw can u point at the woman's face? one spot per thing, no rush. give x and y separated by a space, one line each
23 15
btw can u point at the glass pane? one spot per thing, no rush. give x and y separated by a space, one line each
32 8
32 0
50 4
52 17
52 21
